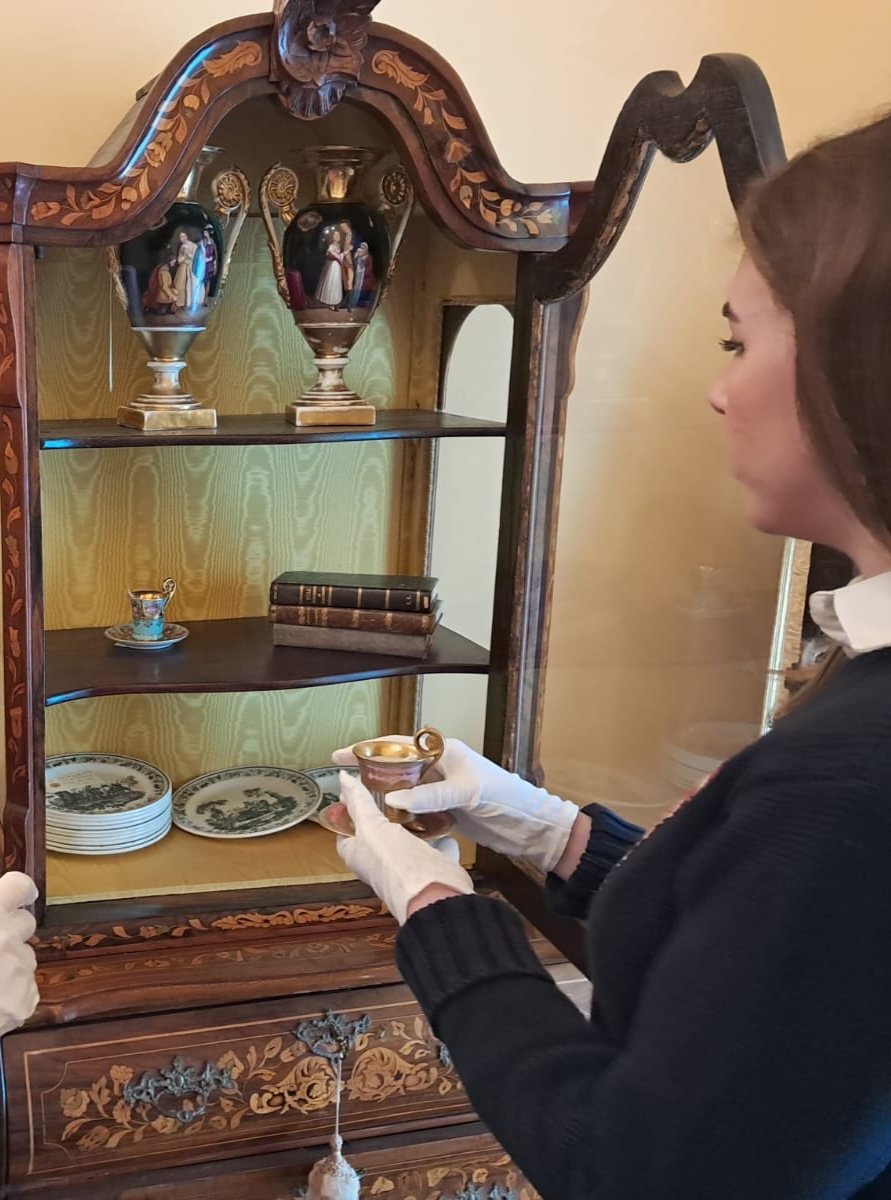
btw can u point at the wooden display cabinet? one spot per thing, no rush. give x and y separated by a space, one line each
172 981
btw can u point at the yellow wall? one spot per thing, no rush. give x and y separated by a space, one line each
662 598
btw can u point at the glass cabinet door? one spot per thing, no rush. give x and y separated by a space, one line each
664 597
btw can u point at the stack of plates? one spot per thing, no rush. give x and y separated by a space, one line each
104 804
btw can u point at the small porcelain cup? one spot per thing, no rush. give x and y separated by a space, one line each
387 766
149 606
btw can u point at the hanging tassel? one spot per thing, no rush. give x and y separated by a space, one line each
332 1177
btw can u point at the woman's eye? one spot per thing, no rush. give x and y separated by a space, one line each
730 345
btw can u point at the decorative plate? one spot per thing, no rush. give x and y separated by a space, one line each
101 785
329 786
122 635
245 802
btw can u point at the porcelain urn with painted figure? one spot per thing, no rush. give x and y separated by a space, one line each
169 279
344 212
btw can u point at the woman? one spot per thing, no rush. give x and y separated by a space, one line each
739 1046
329 292
184 280
18 989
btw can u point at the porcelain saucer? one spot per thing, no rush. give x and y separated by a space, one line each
430 827
329 786
122 635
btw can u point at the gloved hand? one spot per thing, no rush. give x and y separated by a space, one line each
393 862
18 988
490 806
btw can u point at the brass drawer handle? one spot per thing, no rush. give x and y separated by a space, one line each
179 1082
479 1191
332 1036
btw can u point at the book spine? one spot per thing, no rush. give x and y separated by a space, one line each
356 640
319 596
373 620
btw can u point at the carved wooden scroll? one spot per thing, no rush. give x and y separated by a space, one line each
728 101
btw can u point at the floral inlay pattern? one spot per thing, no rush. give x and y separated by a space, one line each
493 1178
7 352
261 1080
284 918
191 95
476 192
14 507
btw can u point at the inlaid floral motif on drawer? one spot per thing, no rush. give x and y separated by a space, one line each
396 1058
486 1177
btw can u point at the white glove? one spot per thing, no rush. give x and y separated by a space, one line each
18 987
393 862
490 806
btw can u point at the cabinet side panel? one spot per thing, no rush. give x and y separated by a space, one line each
22 597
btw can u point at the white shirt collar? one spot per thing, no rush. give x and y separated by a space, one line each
857 616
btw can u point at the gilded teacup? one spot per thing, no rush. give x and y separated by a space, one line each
149 606
388 766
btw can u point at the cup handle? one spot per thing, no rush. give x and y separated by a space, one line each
430 742
169 587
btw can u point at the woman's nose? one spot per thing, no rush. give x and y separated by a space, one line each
717 402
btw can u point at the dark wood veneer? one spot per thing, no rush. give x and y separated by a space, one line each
230 656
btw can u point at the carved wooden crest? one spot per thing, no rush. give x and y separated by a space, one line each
318 48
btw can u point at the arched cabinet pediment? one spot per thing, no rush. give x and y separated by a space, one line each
287 55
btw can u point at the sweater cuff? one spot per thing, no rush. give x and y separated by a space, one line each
610 840
451 945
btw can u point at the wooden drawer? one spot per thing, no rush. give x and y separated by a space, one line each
218 1083
114 1097
416 1170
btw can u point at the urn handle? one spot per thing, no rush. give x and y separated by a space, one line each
278 189
232 197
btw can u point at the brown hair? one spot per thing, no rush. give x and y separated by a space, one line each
820 233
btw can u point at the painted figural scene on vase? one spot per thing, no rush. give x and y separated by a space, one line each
343 211
169 280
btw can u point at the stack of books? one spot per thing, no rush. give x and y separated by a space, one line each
371 614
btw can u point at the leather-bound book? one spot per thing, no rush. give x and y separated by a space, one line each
372 620
401 645
324 589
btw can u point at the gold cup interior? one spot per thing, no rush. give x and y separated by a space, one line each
389 753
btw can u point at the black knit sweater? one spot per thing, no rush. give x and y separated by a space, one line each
739 1047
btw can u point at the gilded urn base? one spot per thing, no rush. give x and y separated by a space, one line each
133 417
166 405
305 415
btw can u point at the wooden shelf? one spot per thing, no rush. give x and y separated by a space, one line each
263 429
182 864
230 656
